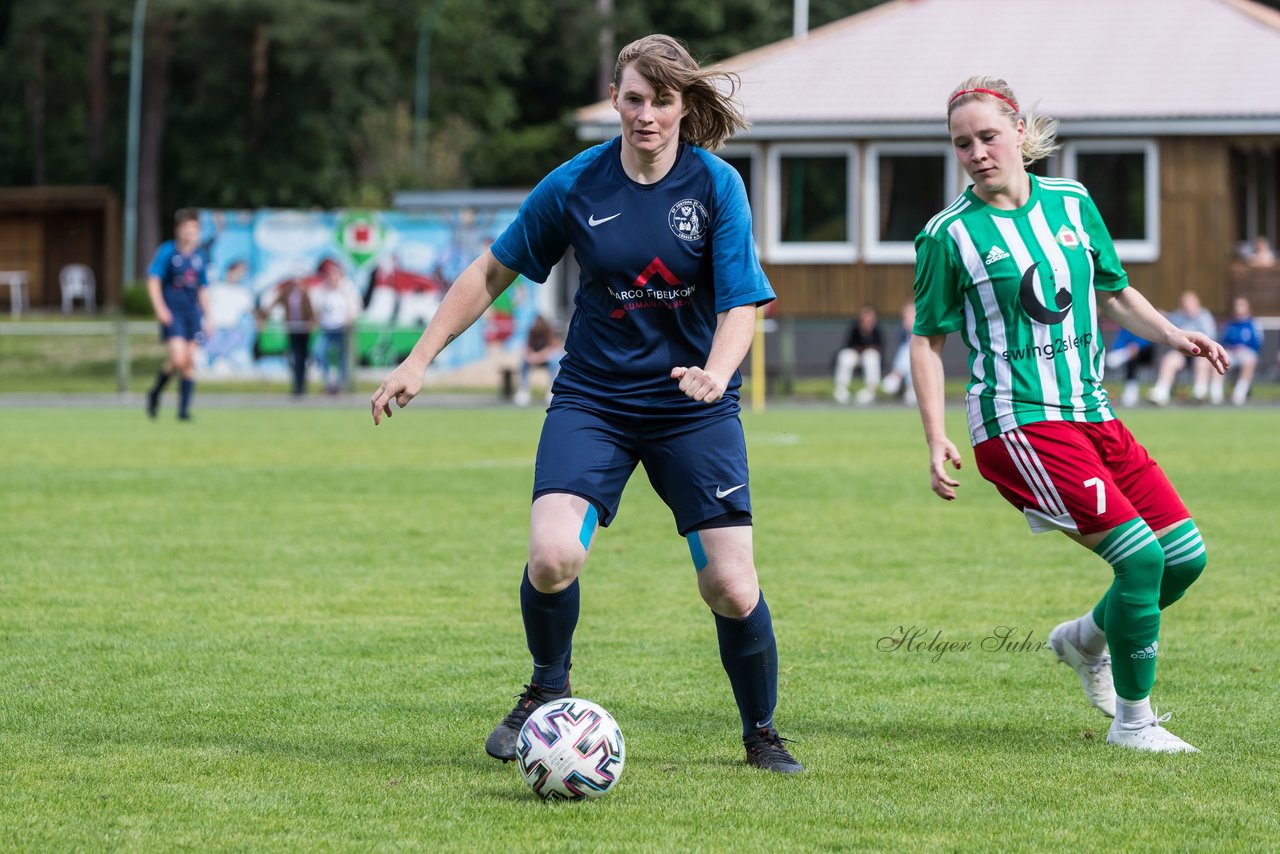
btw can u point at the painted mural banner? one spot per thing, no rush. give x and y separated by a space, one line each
401 263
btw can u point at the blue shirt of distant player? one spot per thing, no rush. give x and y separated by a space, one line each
659 262
181 276
1243 333
1124 338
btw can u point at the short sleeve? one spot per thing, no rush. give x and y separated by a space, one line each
738 277
536 240
938 289
160 263
1109 274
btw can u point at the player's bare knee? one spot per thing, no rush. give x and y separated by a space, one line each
734 598
554 566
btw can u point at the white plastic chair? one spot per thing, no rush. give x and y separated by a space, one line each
77 283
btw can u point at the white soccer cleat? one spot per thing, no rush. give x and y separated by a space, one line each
1094 671
840 395
865 396
1159 396
1148 736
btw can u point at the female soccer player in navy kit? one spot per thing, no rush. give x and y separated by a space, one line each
177 283
665 311
1020 266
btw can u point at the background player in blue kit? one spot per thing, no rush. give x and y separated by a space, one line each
664 314
177 283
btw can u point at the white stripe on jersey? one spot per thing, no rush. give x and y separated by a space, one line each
1049 246
1037 488
1034 458
1063 184
1050 399
950 209
1072 206
995 332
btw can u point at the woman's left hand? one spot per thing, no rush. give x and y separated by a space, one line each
1199 344
699 385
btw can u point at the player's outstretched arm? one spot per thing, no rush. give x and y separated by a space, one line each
472 292
734 330
927 375
1132 311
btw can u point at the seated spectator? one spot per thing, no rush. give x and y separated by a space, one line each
1242 338
1132 353
1259 253
543 349
862 348
899 376
1191 315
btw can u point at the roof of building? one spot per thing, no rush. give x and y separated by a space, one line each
1087 62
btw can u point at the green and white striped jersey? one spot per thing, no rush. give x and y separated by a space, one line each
1019 285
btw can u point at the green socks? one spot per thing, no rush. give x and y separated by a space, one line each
1130 611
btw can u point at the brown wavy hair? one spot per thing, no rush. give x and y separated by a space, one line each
714 114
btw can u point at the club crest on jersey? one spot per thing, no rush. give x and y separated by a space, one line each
688 219
1067 237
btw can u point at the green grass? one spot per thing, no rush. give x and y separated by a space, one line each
286 630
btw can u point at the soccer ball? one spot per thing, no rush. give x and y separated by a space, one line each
570 749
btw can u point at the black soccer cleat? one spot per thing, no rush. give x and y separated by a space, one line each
502 741
765 750
153 403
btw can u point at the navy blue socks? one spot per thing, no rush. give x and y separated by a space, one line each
184 396
549 621
162 380
750 657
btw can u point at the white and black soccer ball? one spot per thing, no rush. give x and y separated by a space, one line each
570 749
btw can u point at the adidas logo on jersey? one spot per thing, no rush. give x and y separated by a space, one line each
1149 652
996 254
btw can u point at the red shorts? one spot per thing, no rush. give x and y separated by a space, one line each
1079 476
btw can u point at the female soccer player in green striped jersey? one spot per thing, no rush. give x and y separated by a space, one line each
1021 266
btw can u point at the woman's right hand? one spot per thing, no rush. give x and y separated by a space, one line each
402 385
940 452
164 315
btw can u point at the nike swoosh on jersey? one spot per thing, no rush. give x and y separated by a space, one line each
722 493
593 222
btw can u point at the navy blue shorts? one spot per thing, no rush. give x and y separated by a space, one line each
698 466
186 324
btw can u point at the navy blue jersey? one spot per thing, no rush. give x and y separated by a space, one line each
659 261
180 276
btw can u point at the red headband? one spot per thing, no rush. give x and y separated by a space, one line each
984 92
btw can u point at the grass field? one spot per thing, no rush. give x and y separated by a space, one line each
284 630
